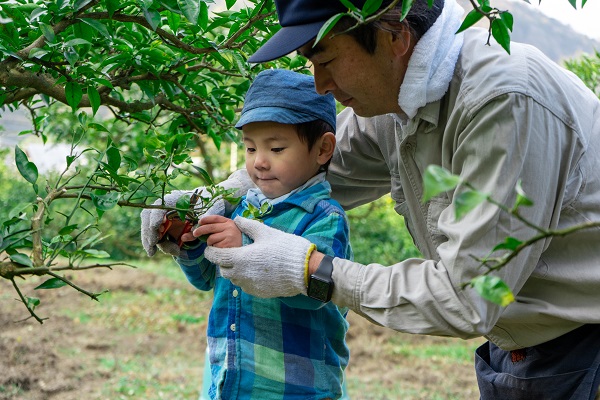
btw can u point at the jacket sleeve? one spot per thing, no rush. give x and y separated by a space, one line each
200 272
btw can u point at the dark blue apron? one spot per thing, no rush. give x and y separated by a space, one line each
565 368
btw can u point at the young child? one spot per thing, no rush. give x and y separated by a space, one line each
282 348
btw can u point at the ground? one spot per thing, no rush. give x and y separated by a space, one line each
145 340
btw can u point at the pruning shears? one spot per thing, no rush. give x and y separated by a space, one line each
189 222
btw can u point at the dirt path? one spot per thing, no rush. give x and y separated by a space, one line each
99 355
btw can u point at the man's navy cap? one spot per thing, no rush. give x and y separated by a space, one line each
286 97
300 22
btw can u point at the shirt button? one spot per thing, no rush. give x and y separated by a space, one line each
235 293
232 327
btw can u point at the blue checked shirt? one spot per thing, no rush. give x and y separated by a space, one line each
283 348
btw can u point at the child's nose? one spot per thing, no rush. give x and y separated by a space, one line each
260 161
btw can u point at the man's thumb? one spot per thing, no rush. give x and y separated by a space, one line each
250 227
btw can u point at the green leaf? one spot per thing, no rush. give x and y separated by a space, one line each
52 283
98 25
510 243
94 99
47 31
112 6
96 253
328 26
406 5
153 17
32 302
349 5
437 180
67 229
470 19
203 17
230 3
501 34
370 7
22 259
74 94
183 203
508 19
190 9
79 4
26 168
104 201
493 289
573 3
467 201
113 157
204 175
522 199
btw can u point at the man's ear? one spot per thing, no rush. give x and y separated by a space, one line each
400 41
326 146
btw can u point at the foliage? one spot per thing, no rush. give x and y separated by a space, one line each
142 81
378 234
587 68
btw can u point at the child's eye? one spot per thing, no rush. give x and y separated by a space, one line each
277 149
250 150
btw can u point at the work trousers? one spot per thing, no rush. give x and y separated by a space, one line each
565 368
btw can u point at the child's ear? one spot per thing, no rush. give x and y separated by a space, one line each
326 147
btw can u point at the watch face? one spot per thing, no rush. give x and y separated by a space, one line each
319 289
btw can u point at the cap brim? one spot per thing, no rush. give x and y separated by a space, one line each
280 115
286 40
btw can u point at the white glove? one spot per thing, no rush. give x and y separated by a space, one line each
153 218
272 266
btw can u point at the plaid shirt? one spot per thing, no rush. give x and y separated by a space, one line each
283 348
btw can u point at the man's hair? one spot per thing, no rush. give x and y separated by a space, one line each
418 20
310 132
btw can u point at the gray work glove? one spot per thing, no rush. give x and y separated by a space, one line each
272 266
153 218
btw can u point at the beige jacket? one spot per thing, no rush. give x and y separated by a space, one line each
504 118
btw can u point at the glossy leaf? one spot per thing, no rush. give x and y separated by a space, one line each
471 19
190 9
94 98
370 7
27 169
493 289
52 283
501 34
510 243
406 5
437 180
22 259
74 94
104 201
522 199
328 26
467 201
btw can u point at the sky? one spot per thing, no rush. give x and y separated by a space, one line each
584 20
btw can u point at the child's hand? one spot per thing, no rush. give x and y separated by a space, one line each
222 232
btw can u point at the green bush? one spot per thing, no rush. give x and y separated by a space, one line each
378 234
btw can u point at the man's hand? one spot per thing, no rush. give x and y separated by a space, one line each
222 232
272 266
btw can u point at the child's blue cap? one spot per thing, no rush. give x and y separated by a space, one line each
286 97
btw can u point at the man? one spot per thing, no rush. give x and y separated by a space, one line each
416 95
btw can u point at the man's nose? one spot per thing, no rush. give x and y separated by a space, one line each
324 82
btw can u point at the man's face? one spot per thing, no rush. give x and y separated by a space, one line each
369 83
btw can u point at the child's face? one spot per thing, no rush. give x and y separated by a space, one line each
277 161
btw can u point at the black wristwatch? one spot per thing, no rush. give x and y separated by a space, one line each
320 284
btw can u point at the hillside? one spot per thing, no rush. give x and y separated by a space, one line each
555 39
